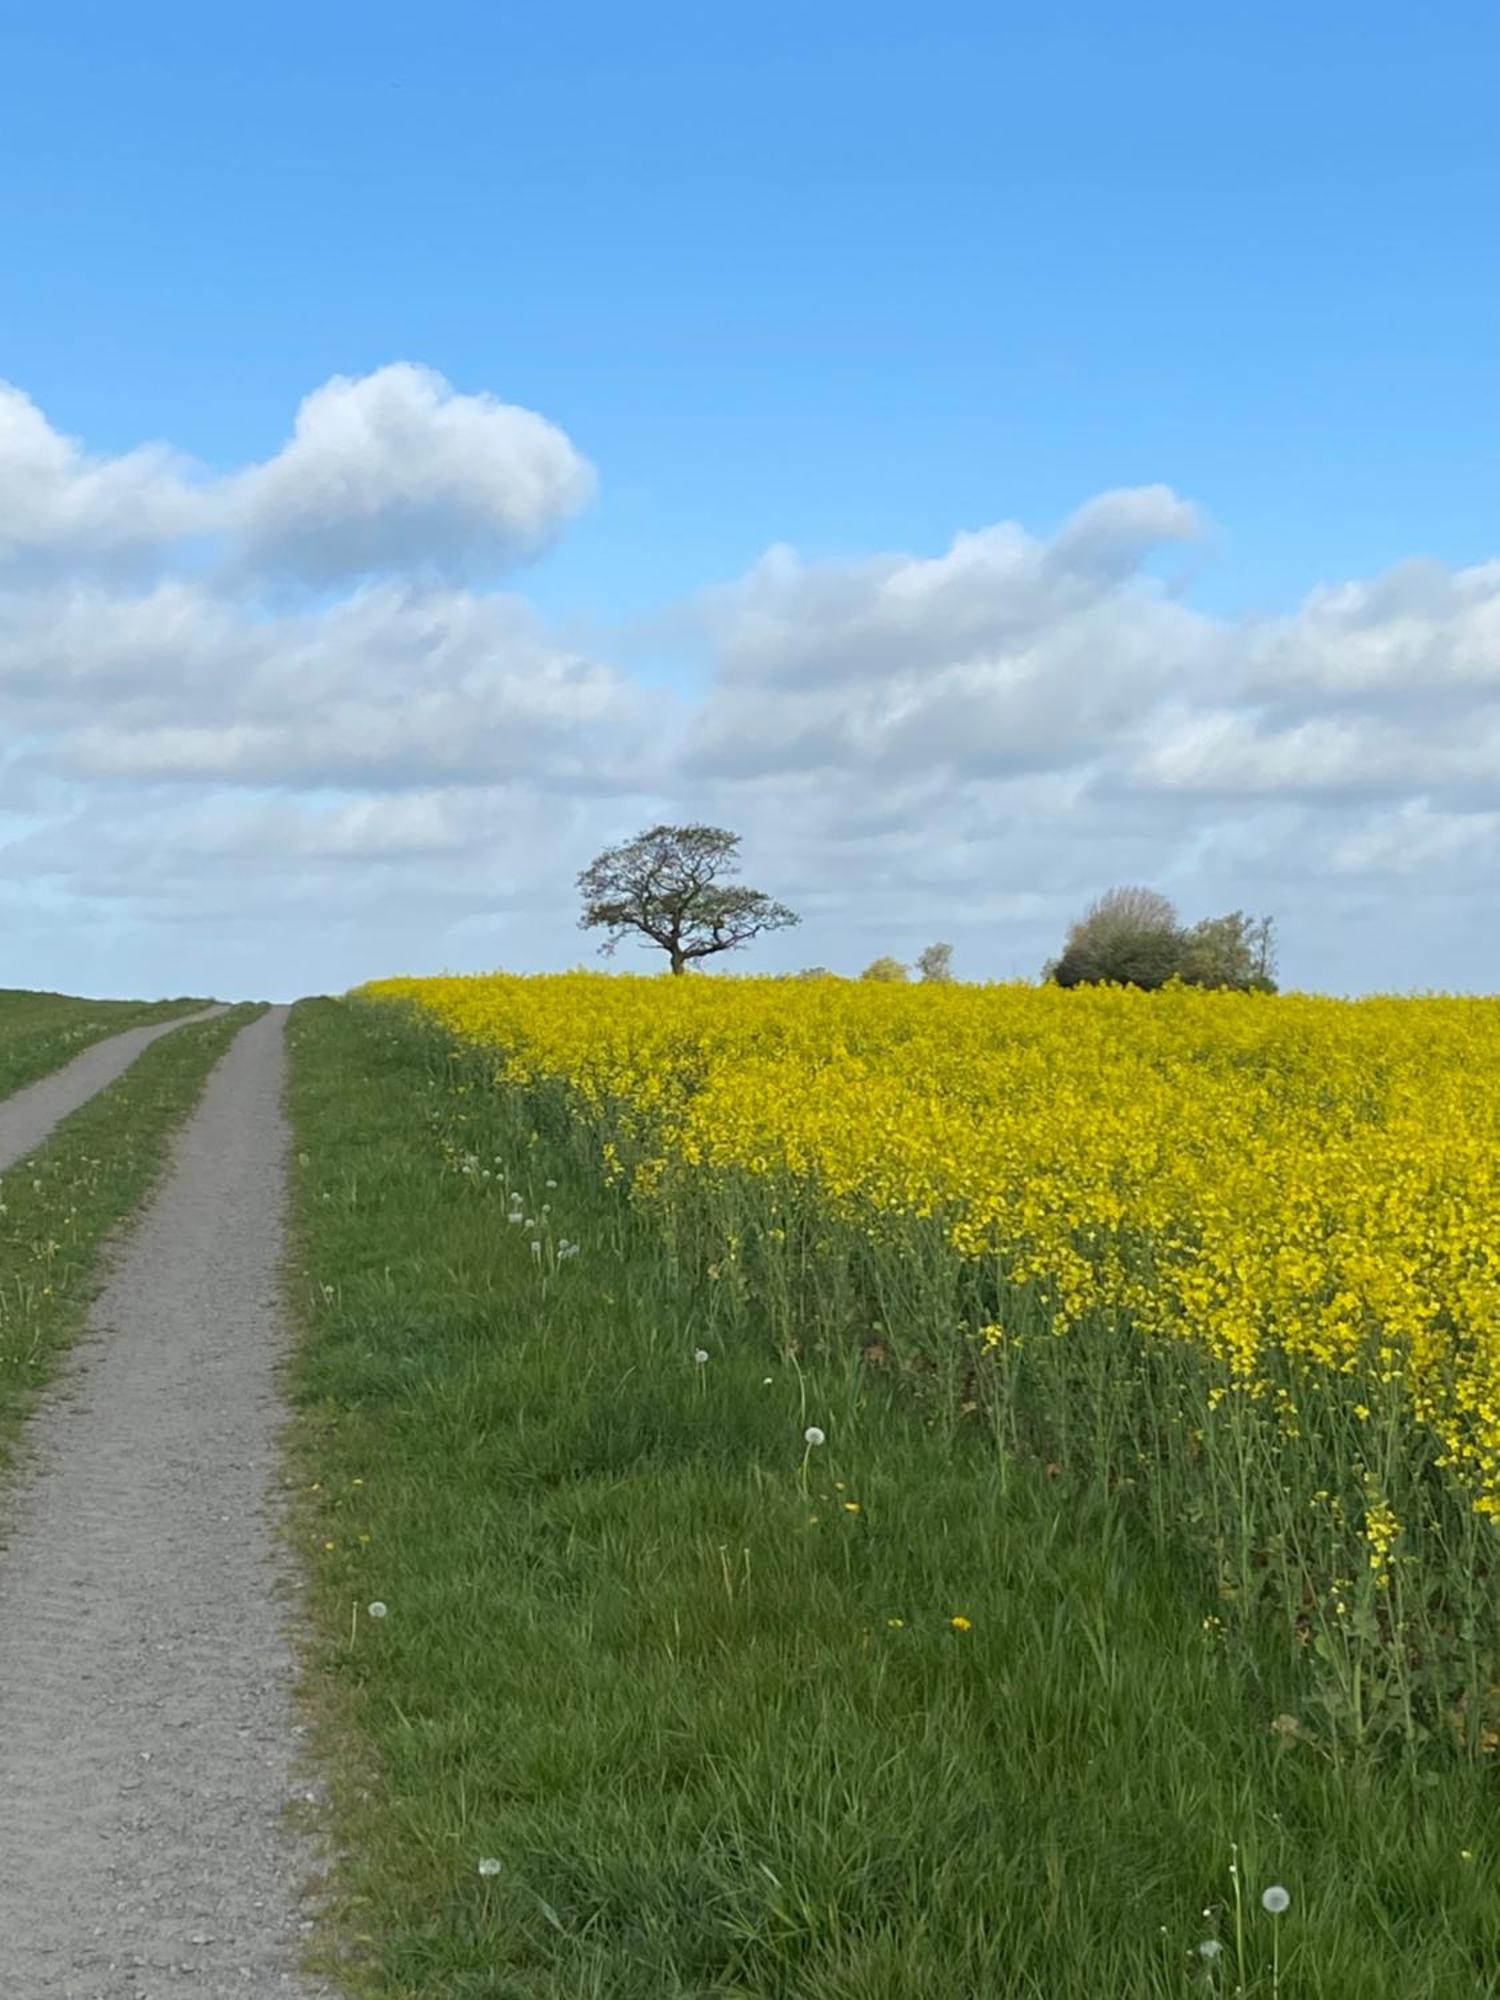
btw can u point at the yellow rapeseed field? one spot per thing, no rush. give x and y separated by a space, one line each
1307 1179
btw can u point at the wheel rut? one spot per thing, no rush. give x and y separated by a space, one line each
148 1746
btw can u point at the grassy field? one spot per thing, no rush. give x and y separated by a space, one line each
665 1697
58 1207
39 1032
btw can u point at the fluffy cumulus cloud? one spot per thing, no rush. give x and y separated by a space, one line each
397 471
60 505
289 724
1422 632
389 471
1005 654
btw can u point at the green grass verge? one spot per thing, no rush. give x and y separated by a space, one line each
697 1686
39 1032
58 1206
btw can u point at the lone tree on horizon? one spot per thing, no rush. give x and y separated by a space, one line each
669 886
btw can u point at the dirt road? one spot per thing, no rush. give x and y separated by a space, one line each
147 1735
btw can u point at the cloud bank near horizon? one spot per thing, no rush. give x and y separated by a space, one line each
296 718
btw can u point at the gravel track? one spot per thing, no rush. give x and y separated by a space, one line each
29 1114
148 1746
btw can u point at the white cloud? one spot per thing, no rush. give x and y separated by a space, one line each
1109 537
395 470
1421 630
982 740
390 687
1005 654
388 472
791 623
212 774
1232 752
1412 839
58 503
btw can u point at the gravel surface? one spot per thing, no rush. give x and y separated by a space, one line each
148 1745
28 1115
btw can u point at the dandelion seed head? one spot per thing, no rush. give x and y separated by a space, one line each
376 1610
1276 1899
700 1355
489 1865
815 1436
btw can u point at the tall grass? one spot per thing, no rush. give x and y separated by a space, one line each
1324 1513
950 1703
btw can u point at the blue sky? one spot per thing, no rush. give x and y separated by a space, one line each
845 279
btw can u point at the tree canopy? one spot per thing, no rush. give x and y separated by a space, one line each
887 971
935 964
1134 937
669 886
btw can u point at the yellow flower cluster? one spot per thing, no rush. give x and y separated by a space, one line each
1314 1176
1382 1531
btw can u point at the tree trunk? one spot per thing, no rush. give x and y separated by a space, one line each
679 963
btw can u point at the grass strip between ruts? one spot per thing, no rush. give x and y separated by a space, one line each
734 1714
59 1206
40 1032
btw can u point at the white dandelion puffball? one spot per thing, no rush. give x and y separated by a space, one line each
700 1355
1210 1948
1276 1899
814 1436
489 1865
516 1217
377 1609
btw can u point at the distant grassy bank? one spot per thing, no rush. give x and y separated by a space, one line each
733 1710
39 1032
